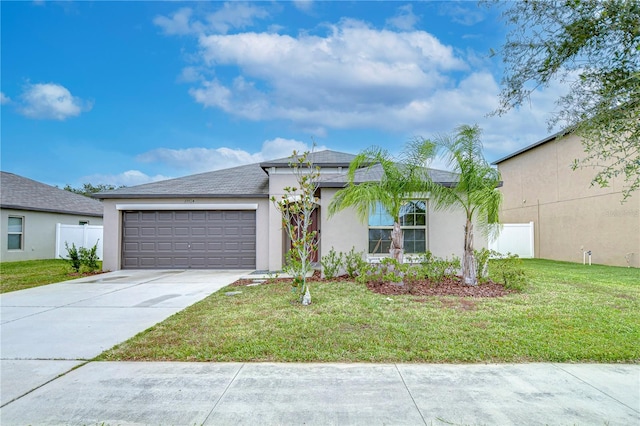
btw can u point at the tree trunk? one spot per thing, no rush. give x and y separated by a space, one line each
306 298
396 250
468 261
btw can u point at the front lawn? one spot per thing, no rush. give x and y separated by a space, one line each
33 273
568 313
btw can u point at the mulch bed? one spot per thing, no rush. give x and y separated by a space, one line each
448 287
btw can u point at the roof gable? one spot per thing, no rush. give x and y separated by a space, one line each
17 192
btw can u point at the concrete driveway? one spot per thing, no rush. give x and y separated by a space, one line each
46 331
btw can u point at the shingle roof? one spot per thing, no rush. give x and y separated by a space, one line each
17 192
250 181
326 158
375 173
242 181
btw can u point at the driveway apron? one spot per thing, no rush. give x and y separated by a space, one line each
46 331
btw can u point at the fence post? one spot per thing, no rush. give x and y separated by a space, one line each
85 235
531 241
58 231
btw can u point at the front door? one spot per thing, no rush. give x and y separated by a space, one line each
312 227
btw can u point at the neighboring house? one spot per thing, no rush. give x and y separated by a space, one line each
225 220
570 215
30 212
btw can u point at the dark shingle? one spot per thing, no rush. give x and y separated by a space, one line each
242 181
375 173
17 192
326 158
248 181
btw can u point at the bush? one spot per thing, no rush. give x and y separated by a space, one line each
73 257
436 269
388 270
331 263
508 271
79 257
89 257
482 263
354 262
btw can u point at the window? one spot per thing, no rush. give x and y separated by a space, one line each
413 221
15 233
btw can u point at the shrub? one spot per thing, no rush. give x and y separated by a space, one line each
73 257
354 262
388 270
89 257
482 263
436 269
331 263
508 271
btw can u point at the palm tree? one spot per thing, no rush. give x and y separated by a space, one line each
475 192
392 183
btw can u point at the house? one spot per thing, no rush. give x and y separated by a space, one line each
570 215
224 219
30 212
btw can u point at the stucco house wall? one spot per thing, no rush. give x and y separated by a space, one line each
39 233
570 216
342 231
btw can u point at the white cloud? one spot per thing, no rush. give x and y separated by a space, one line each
195 160
355 76
230 16
179 23
128 178
463 14
405 19
303 5
4 99
51 101
348 78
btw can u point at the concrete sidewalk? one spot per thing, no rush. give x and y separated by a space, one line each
176 393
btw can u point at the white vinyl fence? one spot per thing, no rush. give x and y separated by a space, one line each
515 238
81 235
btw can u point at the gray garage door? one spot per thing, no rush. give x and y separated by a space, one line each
189 239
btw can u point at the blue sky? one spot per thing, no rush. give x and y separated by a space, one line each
126 93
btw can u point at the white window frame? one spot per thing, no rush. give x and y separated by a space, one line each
21 233
403 227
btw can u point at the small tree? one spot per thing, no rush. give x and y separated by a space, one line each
401 178
475 192
296 206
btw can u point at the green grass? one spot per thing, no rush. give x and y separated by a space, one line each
568 313
33 273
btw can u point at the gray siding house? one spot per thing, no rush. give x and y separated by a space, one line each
224 220
30 211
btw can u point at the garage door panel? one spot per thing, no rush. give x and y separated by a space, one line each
164 231
199 246
181 247
164 246
189 239
198 231
148 246
181 231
